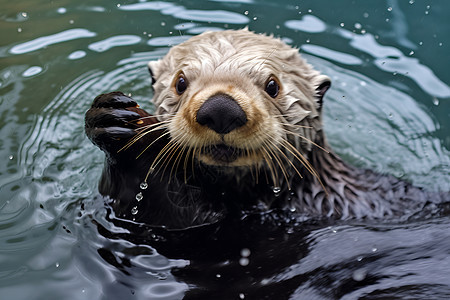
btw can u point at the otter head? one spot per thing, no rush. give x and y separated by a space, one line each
236 98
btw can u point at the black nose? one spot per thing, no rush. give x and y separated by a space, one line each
221 113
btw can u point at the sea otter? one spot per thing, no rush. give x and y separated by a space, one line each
237 128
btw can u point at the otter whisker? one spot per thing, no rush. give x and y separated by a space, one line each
305 163
137 137
286 158
177 161
270 164
162 153
280 164
168 157
295 125
306 139
149 145
156 125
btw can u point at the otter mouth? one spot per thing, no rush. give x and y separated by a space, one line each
222 153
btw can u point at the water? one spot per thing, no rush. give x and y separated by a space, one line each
388 110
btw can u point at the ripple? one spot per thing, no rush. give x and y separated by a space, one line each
77 55
179 12
115 41
391 59
308 23
168 40
45 41
339 57
214 16
32 71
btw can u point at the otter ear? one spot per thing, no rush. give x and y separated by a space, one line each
324 84
154 69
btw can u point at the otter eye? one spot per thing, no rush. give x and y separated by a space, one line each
181 84
272 88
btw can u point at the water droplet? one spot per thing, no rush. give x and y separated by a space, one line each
387 20
118 5
420 43
246 12
435 101
389 8
245 252
308 40
363 31
62 10
143 185
19 29
428 7
342 24
358 25
255 18
359 275
411 53
57 265
276 190
139 196
359 258
24 14
411 1
163 23
71 21
440 44
218 275
241 296
244 261
374 249
11 157
366 15
292 209
134 210
427 12
310 10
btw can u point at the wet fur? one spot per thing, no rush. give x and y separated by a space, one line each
282 144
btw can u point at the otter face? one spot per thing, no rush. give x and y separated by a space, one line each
236 98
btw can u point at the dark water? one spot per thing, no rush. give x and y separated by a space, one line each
388 110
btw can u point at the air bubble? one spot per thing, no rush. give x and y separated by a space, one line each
143 185
342 24
241 296
411 53
246 12
435 101
359 275
244 261
389 8
358 25
245 252
11 157
139 196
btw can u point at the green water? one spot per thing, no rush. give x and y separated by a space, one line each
388 110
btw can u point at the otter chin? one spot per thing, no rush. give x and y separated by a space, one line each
237 128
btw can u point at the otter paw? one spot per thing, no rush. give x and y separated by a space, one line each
112 120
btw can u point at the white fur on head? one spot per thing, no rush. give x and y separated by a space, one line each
239 63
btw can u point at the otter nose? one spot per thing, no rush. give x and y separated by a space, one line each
221 113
